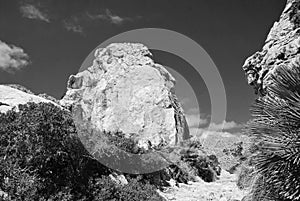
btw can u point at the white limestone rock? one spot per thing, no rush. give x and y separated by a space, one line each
282 47
11 97
125 91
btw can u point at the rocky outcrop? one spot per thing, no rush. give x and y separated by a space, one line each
126 92
282 47
265 68
11 97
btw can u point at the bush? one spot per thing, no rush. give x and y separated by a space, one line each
41 158
104 189
246 177
48 97
193 161
275 128
128 145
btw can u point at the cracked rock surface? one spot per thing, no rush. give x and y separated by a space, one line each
282 47
125 91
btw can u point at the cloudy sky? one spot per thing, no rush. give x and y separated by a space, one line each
43 42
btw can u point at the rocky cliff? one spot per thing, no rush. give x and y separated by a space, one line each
282 47
126 92
13 95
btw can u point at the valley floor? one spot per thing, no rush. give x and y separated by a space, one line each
224 189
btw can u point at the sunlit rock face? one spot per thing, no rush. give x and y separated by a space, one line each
126 92
11 97
281 48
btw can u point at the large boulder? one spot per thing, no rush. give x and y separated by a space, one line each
281 48
11 96
126 92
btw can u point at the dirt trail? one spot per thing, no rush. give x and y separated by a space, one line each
224 189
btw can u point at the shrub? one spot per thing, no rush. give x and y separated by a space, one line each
136 191
48 97
104 189
42 159
275 128
193 161
39 141
246 176
128 145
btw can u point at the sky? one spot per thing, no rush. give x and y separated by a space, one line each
43 42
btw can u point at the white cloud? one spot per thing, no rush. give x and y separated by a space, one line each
200 126
32 12
73 25
115 19
207 133
195 131
203 133
226 125
110 17
194 110
76 23
12 57
194 120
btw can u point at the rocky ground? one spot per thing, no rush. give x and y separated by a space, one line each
224 189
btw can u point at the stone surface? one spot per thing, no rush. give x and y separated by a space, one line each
12 97
119 179
223 189
3 194
281 48
125 91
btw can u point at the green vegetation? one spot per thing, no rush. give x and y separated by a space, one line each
275 130
41 159
230 151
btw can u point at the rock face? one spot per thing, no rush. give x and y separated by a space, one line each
282 47
11 97
124 91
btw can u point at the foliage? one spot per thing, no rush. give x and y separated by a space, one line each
194 162
129 145
103 189
41 158
48 97
246 176
236 150
275 128
260 191
230 151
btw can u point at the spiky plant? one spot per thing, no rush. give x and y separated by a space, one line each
276 126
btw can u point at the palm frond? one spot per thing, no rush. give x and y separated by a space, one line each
276 124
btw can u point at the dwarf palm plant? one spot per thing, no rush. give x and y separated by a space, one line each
276 126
